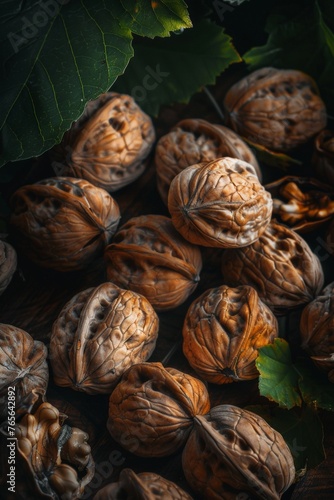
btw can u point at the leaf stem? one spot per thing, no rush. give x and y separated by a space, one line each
214 103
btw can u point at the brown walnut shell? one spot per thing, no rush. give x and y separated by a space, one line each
8 264
100 333
323 156
219 204
279 265
152 409
23 367
108 144
231 450
63 223
142 486
55 460
279 109
195 141
317 330
150 257
223 330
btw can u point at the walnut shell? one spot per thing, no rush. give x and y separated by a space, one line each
279 265
55 460
219 204
279 109
151 410
194 141
100 333
142 486
223 330
233 451
317 330
108 144
8 264
150 257
323 156
63 223
22 366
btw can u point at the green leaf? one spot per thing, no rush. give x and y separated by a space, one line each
272 158
173 69
278 380
301 39
317 391
301 429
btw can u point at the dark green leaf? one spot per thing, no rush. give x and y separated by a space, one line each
315 387
278 380
272 158
173 69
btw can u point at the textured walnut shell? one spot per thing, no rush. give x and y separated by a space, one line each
23 366
142 486
280 109
317 330
219 204
151 410
108 144
223 330
195 141
8 263
233 451
279 265
55 460
150 257
323 156
100 333
302 203
63 223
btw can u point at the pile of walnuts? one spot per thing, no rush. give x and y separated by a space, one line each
101 342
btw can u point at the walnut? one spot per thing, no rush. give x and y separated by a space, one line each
152 409
302 203
8 263
55 460
108 144
219 204
63 223
279 109
231 451
195 141
223 330
317 330
279 265
98 334
142 486
150 257
23 367
323 156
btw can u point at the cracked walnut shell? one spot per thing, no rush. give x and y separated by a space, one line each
279 109
8 263
152 408
100 333
323 156
108 144
219 204
223 330
232 451
150 257
63 223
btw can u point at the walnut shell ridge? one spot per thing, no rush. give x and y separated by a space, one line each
152 408
150 257
219 204
279 265
63 223
223 330
108 144
279 109
100 333
8 264
231 451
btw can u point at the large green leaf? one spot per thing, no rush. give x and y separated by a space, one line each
301 39
56 55
278 380
316 390
173 69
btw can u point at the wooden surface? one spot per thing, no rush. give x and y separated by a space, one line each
35 297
